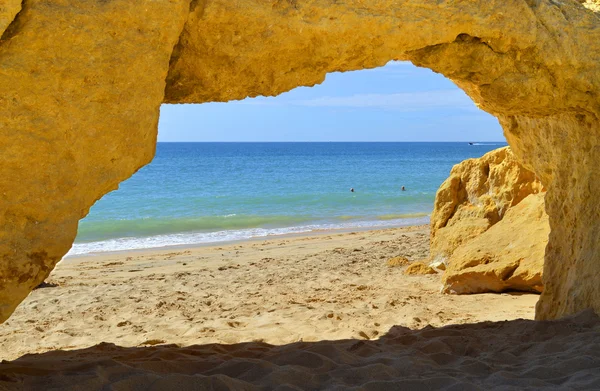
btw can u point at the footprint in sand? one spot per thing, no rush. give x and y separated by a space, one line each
332 316
235 324
369 334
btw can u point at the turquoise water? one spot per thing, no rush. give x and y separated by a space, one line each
209 192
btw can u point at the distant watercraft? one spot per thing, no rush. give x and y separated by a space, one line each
470 143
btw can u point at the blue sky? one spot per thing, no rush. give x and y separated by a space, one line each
398 102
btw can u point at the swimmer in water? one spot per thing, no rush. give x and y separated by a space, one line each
403 188
352 190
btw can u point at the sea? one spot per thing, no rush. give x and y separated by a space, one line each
200 193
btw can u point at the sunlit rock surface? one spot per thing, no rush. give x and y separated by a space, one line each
418 268
489 227
81 83
593 5
508 256
8 10
476 195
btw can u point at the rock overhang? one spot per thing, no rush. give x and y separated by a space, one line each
81 84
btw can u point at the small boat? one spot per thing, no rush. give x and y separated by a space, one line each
470 143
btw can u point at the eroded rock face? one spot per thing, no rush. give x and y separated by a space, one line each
566 152
81 83
508 256
476 196
8 10
418 269
489 226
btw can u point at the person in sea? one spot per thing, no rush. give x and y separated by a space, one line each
403 188
352 190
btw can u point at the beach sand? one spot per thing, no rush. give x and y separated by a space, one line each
336 313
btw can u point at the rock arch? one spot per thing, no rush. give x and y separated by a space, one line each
81 83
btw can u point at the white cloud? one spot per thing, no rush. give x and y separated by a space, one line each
454 99
404 102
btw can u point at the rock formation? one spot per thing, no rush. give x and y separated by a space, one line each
476 196
508 256
80 89
81 83
489 226
8 10
398 261
418 269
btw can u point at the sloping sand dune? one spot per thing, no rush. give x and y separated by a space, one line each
511 355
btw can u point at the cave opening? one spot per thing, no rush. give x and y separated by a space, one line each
82 84
255 207
397 103
96 113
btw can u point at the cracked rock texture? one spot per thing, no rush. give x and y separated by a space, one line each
81 83
8 10
508 256
477 195
489 226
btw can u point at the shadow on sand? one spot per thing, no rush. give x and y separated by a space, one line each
515 355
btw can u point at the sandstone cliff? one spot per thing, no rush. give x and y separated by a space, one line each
81 83
508 256
489 226
8 10
476 196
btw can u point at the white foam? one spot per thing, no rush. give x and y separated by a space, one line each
192 238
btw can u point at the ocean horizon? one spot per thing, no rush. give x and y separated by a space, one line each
196 193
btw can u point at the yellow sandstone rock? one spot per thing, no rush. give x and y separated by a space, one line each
398 261
8 10
418 268
81 83
593 5
508 256
476 196
489 226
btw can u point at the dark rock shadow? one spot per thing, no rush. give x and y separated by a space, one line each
46 285
511 355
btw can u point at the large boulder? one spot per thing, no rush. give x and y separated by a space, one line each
508 256
477 195
489 226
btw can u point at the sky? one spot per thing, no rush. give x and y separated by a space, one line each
397 102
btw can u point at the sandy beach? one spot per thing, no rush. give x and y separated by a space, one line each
277 291
330 291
